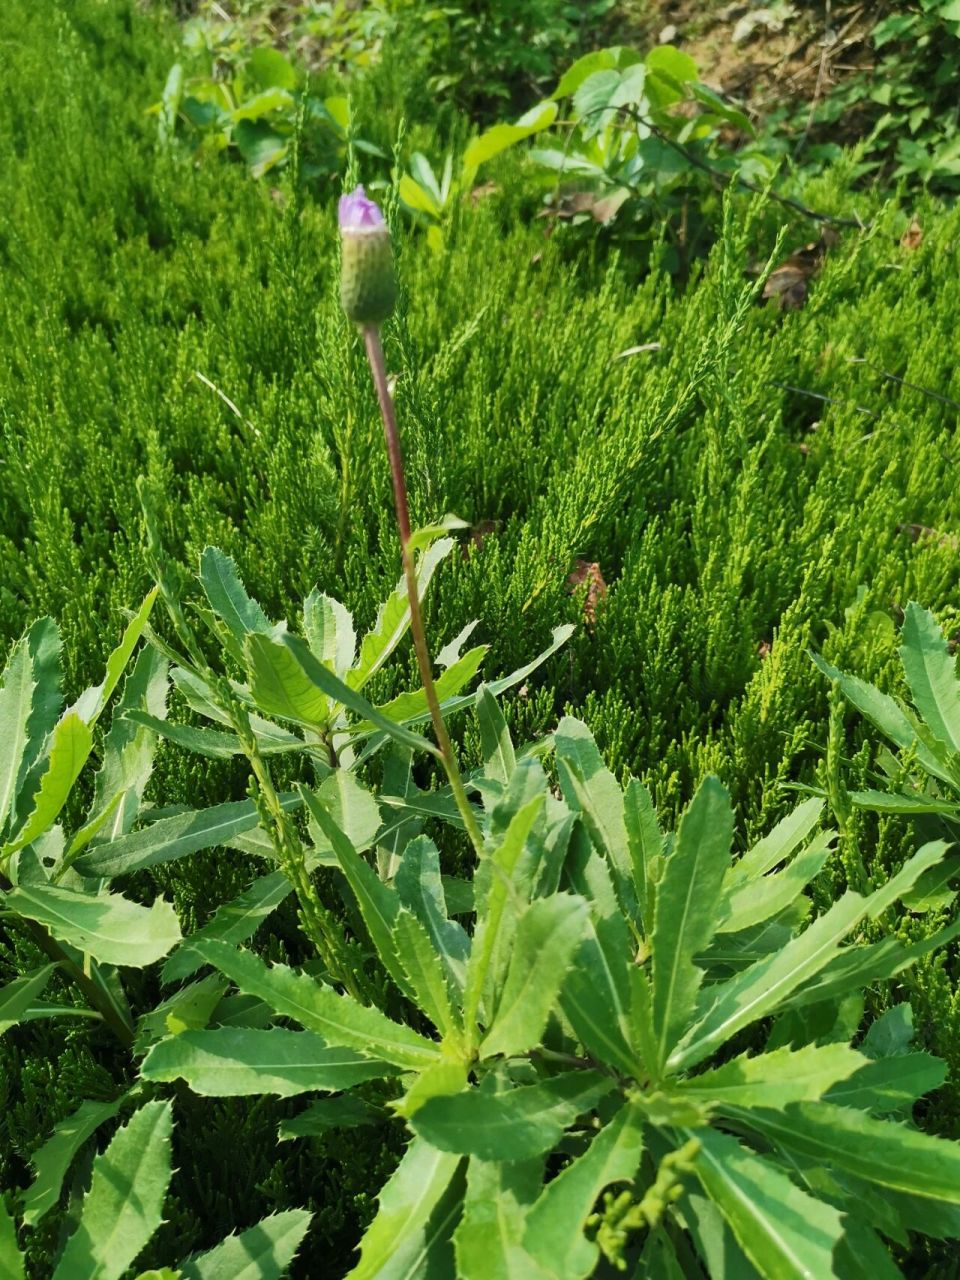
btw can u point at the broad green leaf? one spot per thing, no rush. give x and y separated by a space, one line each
420 889
11 1259
91 703
280 686
862 1254
418 198
227 595
262 1252
591 791
418 1210
786 1234
325 681
932 675
352 808
188 1009
891 1034
52 1161
342 1112
413 705
423 969
685 915
645 843
329 630
339 1019
597 60
70 745
879 1151
17 996
750 902
774 1079
548 934
393 618
271 70
124 1205
230 1062
488 1238
674 67
786 837
888 1085
234 922
554 1229
379 905
439 1081
487 952
758 990
501 136
107 926
16 703
515 1125
499 757
170 838
887 716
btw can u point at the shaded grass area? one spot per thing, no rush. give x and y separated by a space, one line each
734 520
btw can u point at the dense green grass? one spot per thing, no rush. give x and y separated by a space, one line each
730 517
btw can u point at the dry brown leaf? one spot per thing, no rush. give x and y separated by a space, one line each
912 238
587 572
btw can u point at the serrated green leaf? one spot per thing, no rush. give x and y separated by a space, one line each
52 1161
17 996
418 1210
515 1125
343 1112
931 674
124 1205
488 1238
352 808
420 889
685 915
171 838
227 596
234 922
16 703
786 837
439 1081
750 902
890 1084
411 706
107 926
339 1019
89 706
393 618
262 1252
548 934
70 745
879 1151
424 972
280 686
232 1062
554 1226
645 843
43 643
11 1259
328 627
786 1234
774 1079
499 757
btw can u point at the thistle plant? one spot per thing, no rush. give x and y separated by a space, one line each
368 294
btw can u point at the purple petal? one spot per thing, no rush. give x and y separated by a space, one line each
357 213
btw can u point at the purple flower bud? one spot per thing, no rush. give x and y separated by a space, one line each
367 284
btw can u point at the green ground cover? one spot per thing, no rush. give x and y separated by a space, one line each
755 485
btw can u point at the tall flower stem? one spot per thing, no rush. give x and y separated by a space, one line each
371 338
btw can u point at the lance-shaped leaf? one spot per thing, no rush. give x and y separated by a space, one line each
234 922
279 685
89 706
932 675
750 902
16 703
328 627
339 1019
17 996
774 1079
107 926
420 889
352 808
888 1085
784 1232
488 1238
231 1062
785 838
418 1210
517 1124
412 705
343 1112
549 932
424 972
175 837
43 642
499 757
890 718
645 844
11 1259
591 790
52 1161
685 915
488 952
879 1151
393 618
554 1229
227 595
124 1205
262 1252
70 745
